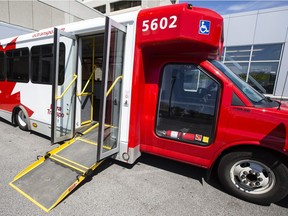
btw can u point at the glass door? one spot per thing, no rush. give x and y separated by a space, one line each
110 103
63 86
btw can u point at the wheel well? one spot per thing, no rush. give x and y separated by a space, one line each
14 113
213 169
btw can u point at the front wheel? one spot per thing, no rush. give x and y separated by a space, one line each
256 176
21 120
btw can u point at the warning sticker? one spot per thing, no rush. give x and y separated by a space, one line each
198 137
205 139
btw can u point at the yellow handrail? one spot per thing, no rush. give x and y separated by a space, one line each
86 85
112 86
108 92
59 97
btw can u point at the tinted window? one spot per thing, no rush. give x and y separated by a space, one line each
236 101
18 65
187 104
2 75
42 63
266 52
120 5
101 9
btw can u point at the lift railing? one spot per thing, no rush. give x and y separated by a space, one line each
107 94
67 88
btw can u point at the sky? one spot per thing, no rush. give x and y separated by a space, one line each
232 6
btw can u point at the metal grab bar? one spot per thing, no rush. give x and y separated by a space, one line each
59 97
113 84
86 85
108 92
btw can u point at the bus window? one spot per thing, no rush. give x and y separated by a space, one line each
187 105
2 77
18 65
42 64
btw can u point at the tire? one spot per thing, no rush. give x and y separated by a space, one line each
21 120
254 176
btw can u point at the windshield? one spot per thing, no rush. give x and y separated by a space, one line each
253 95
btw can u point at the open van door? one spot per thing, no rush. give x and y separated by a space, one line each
63 86
110 103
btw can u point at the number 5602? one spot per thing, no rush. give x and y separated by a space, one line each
162 23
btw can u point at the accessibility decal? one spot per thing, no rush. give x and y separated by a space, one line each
204 27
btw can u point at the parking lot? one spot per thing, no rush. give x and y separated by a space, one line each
152 186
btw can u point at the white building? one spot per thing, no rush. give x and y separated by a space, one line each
110 7
258 42
20 17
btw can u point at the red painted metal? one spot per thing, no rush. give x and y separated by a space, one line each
235 126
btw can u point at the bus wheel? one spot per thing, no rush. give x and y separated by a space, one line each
21 120
255 176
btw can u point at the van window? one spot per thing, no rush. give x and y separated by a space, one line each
42 63
191 80
18 65
188 103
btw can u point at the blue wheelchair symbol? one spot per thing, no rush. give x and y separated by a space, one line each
204 27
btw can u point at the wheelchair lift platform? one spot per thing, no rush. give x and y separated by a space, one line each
52 177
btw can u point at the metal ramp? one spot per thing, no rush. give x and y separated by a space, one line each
52 177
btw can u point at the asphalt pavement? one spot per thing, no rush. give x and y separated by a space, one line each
152 186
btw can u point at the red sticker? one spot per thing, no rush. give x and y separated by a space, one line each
198 137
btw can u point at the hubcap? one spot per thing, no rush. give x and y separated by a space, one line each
22 118
252 177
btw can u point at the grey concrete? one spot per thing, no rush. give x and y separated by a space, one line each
20 13
153 186
39 14
4 11
58 17
42 15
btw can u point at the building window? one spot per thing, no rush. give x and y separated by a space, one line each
187 105
120 5
101 9
42 63
239 53
264 73
2 75
241 68
266 52
258 64
18 65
